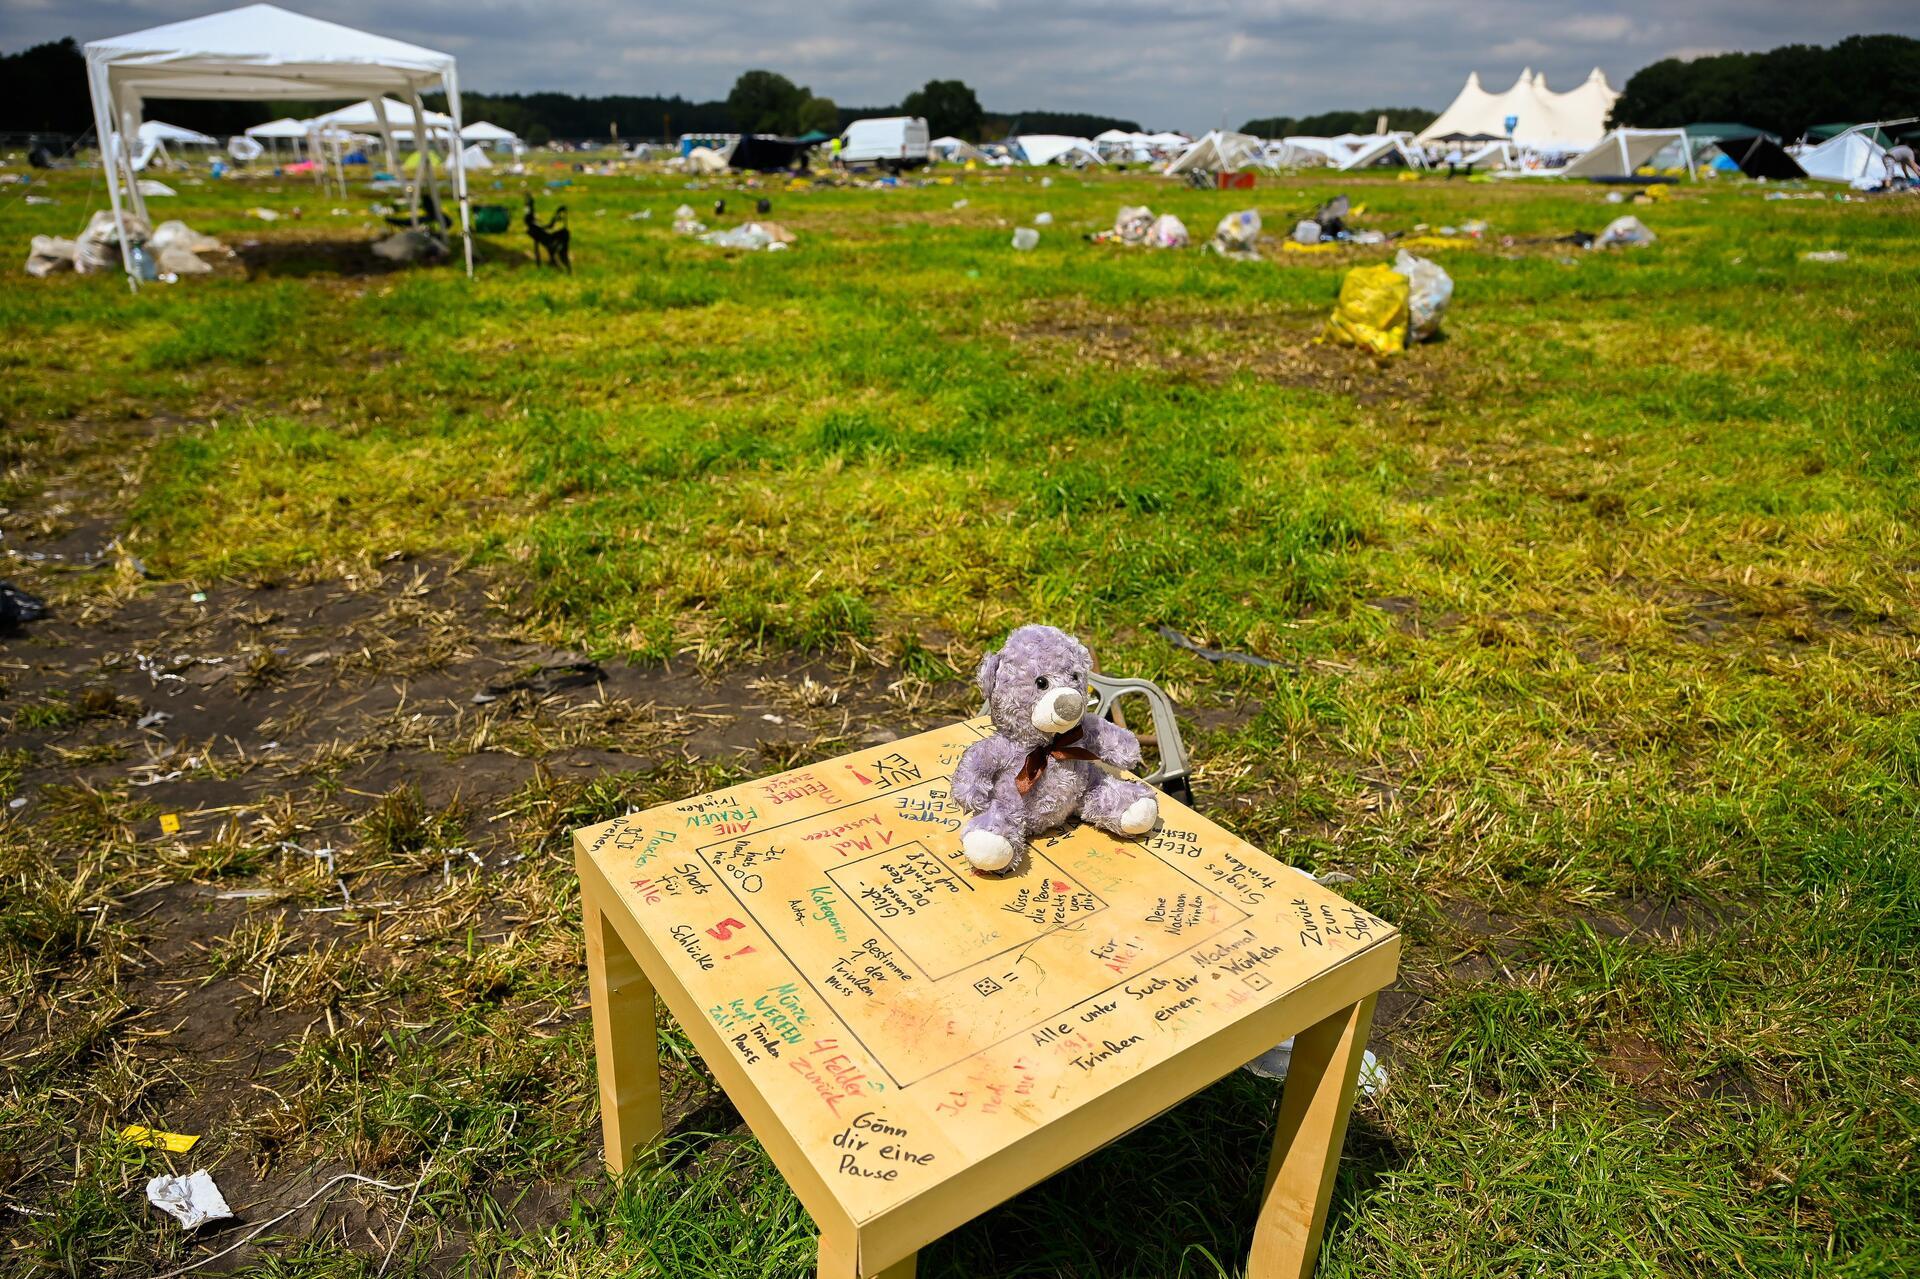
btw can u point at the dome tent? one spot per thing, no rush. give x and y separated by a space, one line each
258 53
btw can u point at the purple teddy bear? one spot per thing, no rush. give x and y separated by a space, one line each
1041 767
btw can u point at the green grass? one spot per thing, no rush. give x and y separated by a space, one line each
1603 608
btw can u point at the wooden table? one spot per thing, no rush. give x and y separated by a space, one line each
914 1043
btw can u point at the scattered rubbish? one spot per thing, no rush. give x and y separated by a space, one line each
98 248
1294 246
153 719
640 215
751 236
412 245
1439 242
1429 289
141 1135
192 1200
1579 239
47 254
41 199
1043 219
687 222
1367 237
244 895
1168 232
720 207
1025 237
1372 310
1332 216
1306 231
1238 234
17 608
1824 255
154 187
544 680
960 203
1333 879
1131 224
1275 1062
265 215
198 597
169 823
1625 231
763 206
1178 640
18 801
1046 182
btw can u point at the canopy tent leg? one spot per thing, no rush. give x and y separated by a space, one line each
129 131
102 119
423 171
457 154
386 129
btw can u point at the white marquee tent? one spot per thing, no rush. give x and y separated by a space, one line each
484 132
1542 119
259 52
1623 151
283 128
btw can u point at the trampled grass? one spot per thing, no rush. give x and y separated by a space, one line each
1595 627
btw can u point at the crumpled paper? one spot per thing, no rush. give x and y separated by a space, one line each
192 1200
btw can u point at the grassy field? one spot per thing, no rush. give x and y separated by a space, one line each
1594 628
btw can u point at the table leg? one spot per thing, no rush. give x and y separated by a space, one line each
624 1047
1306 1146
838 1260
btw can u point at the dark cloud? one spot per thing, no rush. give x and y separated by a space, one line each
1173 64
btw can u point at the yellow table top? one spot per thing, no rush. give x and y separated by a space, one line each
901 1022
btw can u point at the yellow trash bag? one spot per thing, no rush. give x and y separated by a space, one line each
1372 311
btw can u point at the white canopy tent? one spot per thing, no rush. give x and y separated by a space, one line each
1218 152
1623 151
1056 148
283 128
161 131
487 134
260 52
957 151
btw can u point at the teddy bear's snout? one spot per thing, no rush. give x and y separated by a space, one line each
1059 710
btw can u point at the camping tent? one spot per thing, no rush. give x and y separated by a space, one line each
1285 155
1056 148
1859 155
1542 119
258 53
1622 152
1751 151
957 150
475 157
1363 151
1218 152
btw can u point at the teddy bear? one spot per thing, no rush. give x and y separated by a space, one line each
1041 768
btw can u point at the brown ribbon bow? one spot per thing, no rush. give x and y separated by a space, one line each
1065 746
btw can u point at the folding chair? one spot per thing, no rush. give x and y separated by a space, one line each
1174 776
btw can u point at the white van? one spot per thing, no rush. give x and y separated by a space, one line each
895 142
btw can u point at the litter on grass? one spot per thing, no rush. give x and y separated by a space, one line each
1429 289
1237 235
1168 232
1024 238
1824 255
178 1143
1372 311
192 1200
1626 232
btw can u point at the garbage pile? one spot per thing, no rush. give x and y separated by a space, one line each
752 236
1136 225
1384 309
1238 235
166 252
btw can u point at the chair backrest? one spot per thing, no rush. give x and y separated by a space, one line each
1174 776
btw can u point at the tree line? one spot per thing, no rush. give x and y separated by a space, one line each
1785 90
1329 123
44 90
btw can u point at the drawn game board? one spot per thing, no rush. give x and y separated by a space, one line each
904 1015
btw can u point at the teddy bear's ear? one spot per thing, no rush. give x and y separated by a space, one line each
988 665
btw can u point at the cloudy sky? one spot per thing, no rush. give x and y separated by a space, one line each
1182 64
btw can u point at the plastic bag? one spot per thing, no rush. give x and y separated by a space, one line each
1025 237
1429 289
1306 231
175 234
1626 231
176 260
1168 232
1132 224
98 248
1237 232
48 254
1372 311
